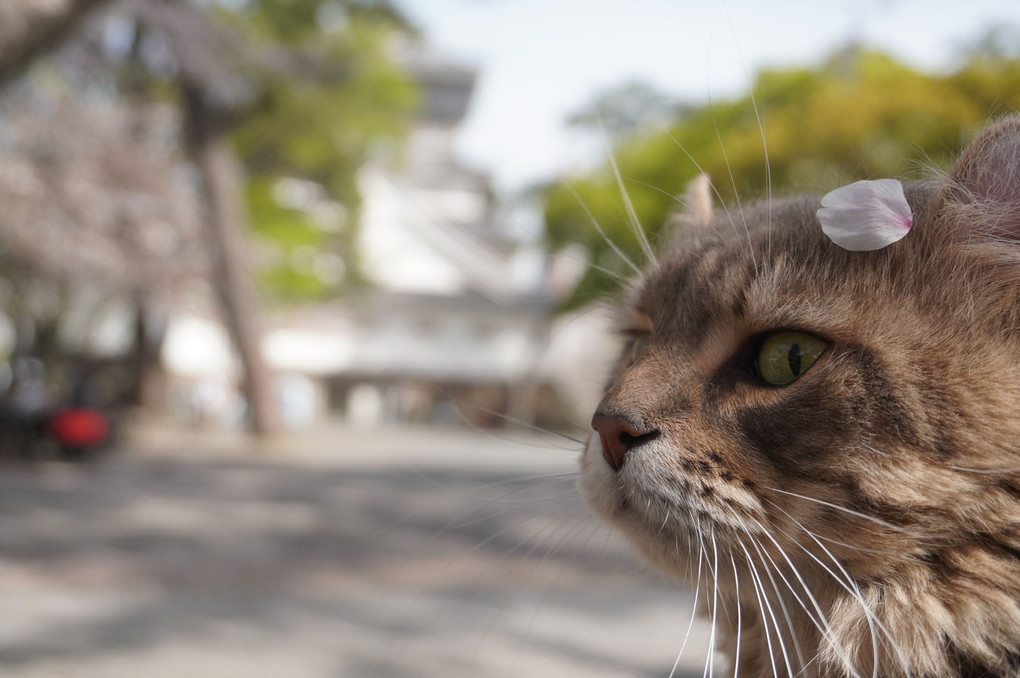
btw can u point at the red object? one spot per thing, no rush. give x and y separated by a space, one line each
79 426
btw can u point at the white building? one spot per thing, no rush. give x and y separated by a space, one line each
458 317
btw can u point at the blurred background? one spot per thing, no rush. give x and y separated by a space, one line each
305 304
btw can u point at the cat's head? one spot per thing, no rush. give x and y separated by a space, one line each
780 398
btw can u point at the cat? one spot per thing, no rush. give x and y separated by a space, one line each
825 443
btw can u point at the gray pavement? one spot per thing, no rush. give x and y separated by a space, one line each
326 554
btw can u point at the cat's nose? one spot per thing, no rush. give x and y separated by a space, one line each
618 436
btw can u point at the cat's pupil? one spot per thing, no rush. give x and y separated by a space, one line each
794 358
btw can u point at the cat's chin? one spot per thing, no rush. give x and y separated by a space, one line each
660 543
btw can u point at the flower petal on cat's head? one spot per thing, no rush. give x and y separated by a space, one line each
866 215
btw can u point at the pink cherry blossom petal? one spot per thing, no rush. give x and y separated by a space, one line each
866 215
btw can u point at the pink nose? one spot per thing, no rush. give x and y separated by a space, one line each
618 436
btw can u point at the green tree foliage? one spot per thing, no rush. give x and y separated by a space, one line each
860 115
317 118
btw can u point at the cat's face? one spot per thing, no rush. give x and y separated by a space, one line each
785 405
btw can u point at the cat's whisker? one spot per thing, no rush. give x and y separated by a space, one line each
598 227
850 584
775 587
557 477
825 628
761 130
694 616
498 533
779 596
527 556
710 660
662 528
715 191
605 271
736 191
791 627
865 516
740 624
765 607
592 531
528 426
632 217
987 471
465 420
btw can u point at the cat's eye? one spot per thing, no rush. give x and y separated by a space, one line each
784 356
638 345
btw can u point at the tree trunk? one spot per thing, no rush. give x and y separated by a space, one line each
225 215
30 27
147 386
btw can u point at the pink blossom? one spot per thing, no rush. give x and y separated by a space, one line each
866 215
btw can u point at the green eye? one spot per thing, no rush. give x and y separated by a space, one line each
639 344
786 355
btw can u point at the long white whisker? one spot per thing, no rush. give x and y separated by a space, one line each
761 130
825 628
715 191
877 521
780 598
694 614
850 584
764 606
598 227
632 216
710 660
736 589
733 183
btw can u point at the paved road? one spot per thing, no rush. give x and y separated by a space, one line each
332 554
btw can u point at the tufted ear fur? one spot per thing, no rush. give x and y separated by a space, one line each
696 206
985 187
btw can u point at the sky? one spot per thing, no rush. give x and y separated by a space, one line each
541 60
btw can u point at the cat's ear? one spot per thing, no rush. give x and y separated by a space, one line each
986 180
695 207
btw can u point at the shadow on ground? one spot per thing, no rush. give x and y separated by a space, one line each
166 566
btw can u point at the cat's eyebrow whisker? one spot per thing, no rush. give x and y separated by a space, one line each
598 227
877 521
761 130
736 191
632 217
605 271
715 191
681 201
